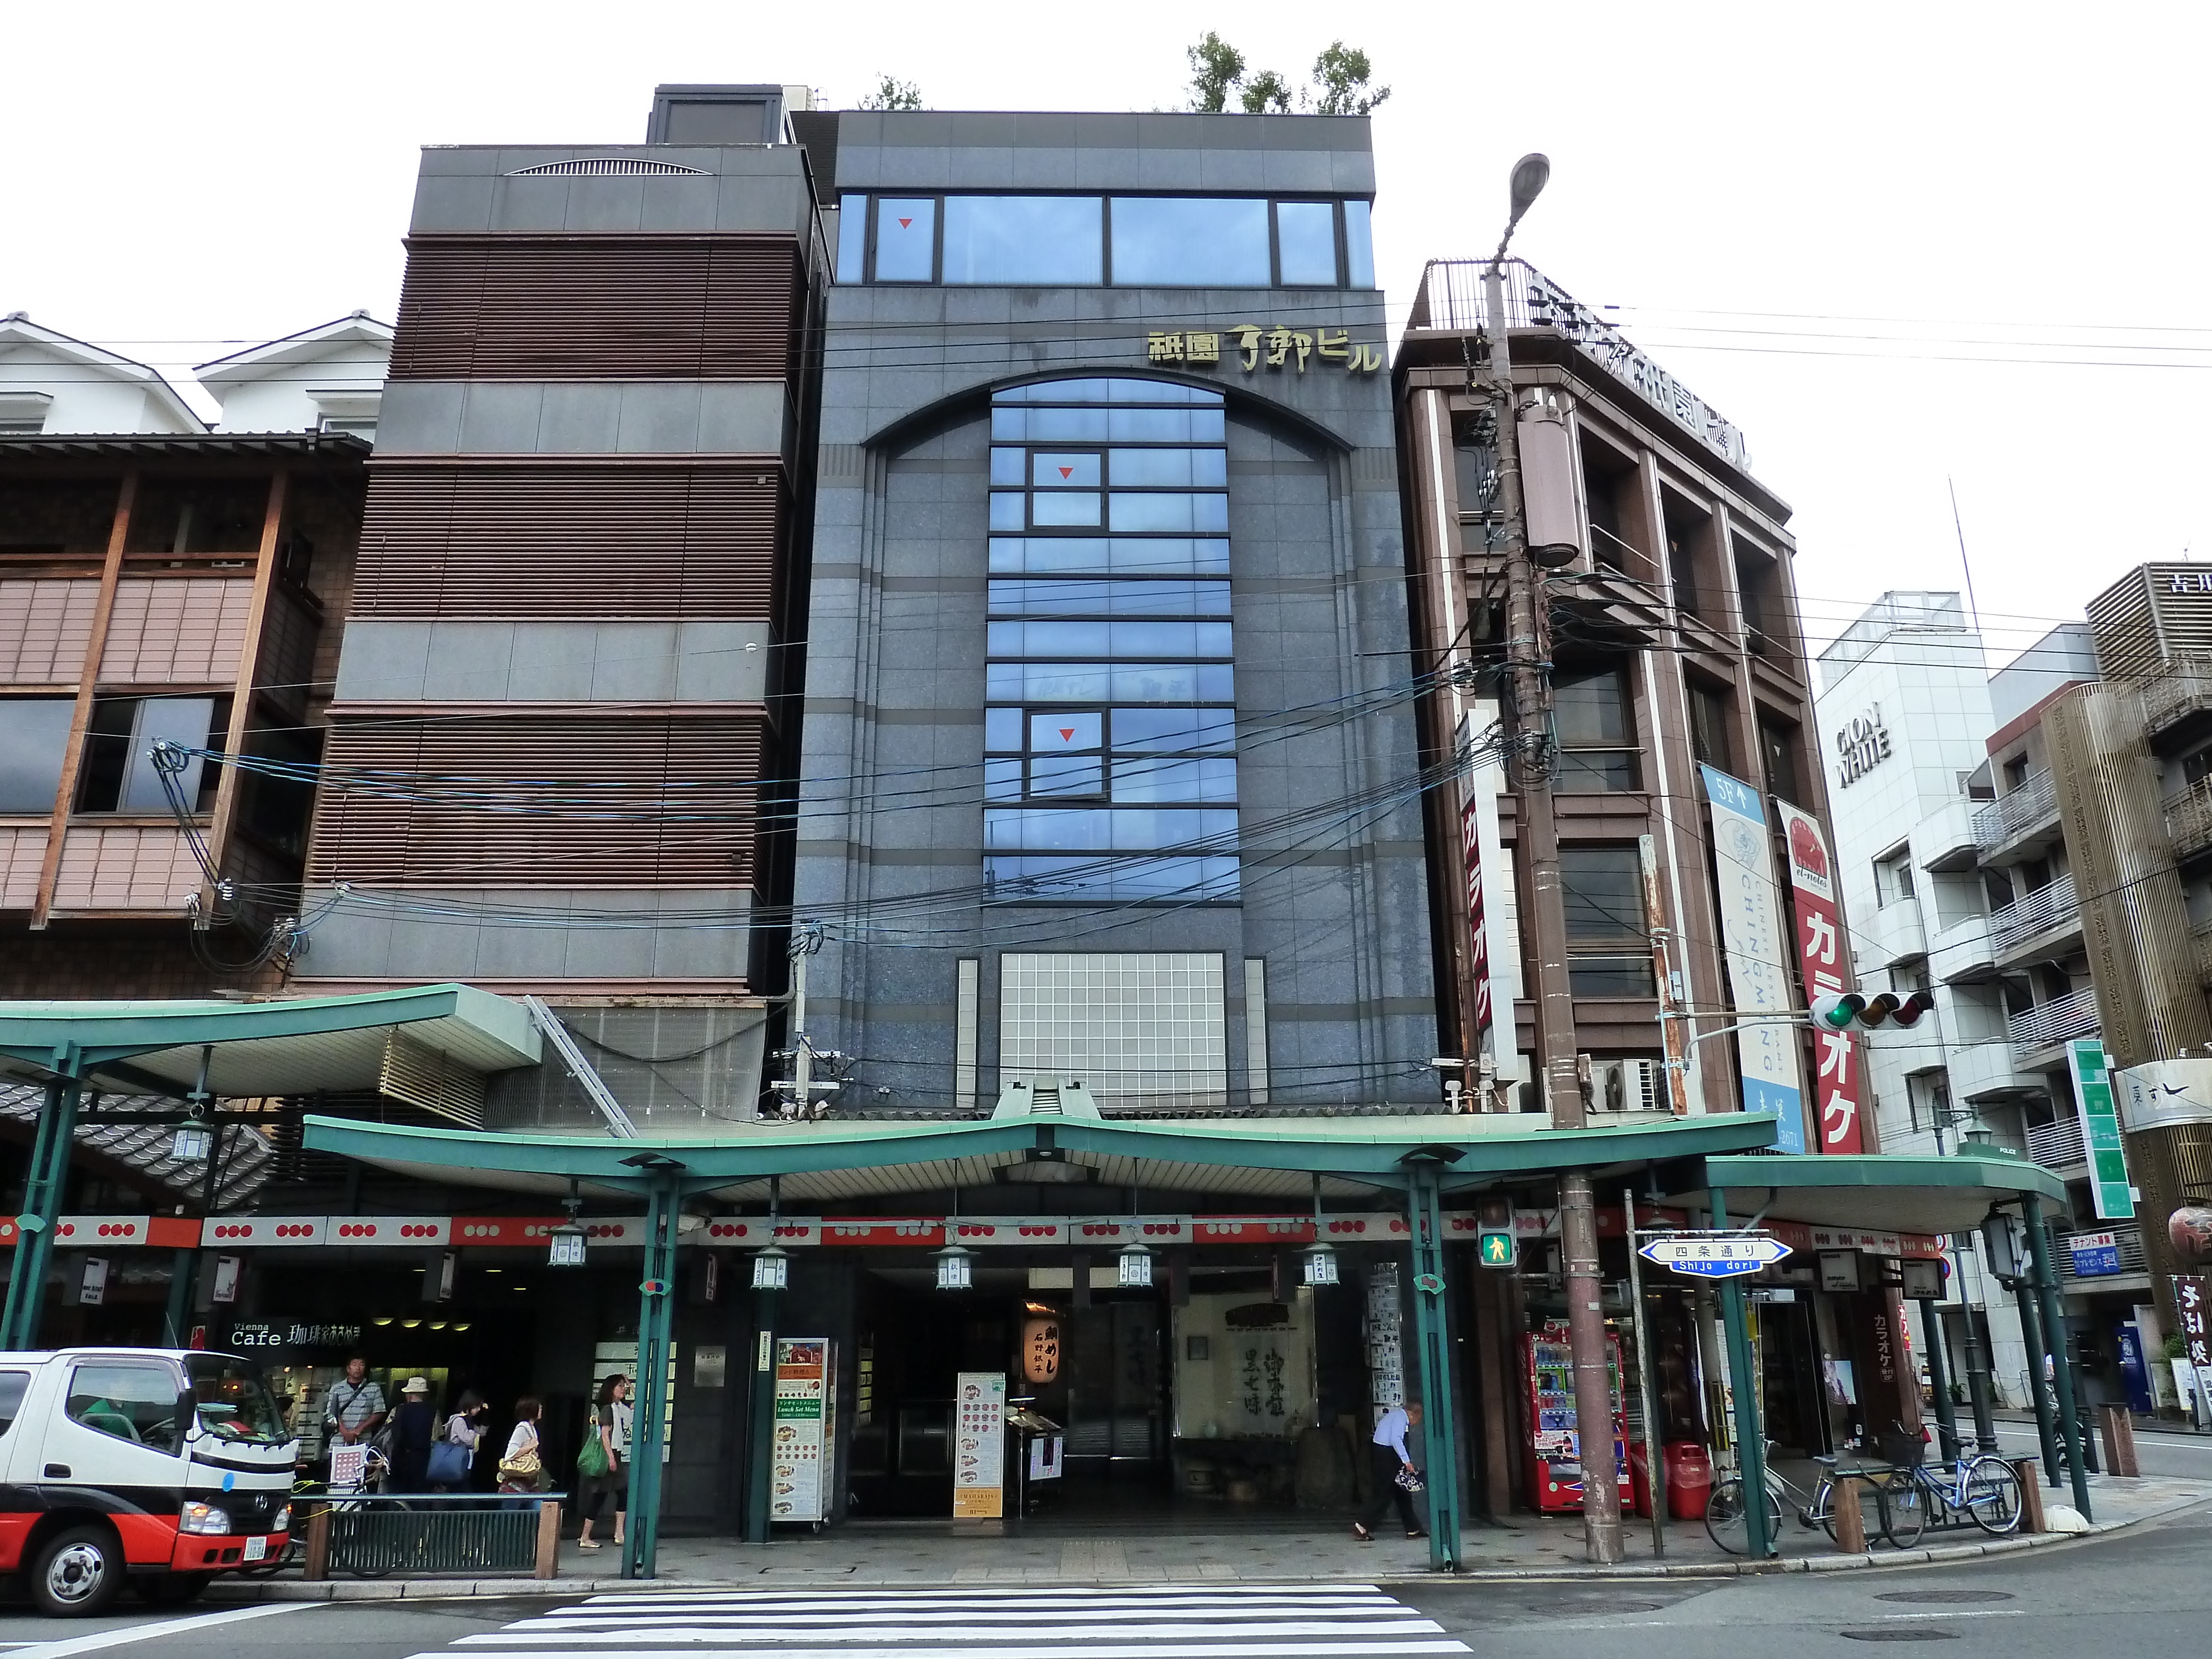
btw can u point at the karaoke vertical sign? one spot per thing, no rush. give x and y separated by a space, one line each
1470 832
1823 954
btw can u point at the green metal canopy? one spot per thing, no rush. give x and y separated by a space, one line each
291 1046
843 1159
1884 1192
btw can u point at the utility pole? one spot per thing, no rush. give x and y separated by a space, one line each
799 1091
1529 682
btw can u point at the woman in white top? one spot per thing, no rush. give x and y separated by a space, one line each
521 1468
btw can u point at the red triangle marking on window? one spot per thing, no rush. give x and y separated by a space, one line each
1066 733
1068 472
906 224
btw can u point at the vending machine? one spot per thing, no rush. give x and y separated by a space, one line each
1555 1461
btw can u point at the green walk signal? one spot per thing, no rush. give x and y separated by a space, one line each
1496 1246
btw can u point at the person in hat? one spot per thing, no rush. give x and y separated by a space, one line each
414 1427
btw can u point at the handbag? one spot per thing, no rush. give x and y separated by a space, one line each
523 1469
1408 1481
592 1457
449 1463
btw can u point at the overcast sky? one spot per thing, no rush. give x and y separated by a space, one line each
1810 215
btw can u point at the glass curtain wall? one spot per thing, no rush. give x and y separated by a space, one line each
1110 729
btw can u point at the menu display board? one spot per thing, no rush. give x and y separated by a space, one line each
979 1446
799 1482
1385 1326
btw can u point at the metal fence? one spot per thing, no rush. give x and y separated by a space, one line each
2072 1015
2057 1145
431 1533
2038 912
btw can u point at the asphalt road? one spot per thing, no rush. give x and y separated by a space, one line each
2185 1456
2144 1591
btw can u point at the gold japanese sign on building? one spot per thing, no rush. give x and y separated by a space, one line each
1263 346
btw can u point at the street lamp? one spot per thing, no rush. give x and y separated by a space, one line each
1530 174
1136 1264
771 1269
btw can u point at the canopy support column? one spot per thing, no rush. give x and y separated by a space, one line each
656 1315
1743 1384
1939 1379
2054 1336
42 1202
760 1441
1432 1330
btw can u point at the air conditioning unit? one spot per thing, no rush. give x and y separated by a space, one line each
1628 1085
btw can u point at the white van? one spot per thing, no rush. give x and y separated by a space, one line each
158 1466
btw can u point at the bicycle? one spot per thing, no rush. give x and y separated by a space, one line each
1727 1518
366 1496
1984 1487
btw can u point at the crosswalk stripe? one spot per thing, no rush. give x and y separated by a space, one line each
643 1598
1017 1625
999 1649
878 1612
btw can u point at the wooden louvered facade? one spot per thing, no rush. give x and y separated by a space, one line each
600 308
562 800
570 540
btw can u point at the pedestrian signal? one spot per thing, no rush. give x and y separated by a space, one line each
1496 1245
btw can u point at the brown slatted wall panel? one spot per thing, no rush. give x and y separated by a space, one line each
569 541
664 802
519 309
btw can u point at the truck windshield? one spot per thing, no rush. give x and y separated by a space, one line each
232 1402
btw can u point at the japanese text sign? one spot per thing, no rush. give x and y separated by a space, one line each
1824 956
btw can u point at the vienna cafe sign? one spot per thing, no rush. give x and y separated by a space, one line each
1861 745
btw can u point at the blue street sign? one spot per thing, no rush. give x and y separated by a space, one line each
1715 1255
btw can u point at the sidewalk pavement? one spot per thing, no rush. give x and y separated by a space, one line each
930 1554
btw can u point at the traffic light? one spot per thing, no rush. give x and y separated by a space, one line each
1842 1010
1494 1243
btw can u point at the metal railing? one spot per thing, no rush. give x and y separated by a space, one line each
2057 1145
371 1536
2038 912
2017 811
1451 297
2072 1015
2183 685
2189 818
2127 1234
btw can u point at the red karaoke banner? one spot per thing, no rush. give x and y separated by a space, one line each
1822 954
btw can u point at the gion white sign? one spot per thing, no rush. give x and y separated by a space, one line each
1715 1255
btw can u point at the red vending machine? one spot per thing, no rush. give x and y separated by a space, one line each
1555 1462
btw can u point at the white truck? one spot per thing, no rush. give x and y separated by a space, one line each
157 1467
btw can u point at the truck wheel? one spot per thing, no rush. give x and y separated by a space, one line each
169 1589
78 1572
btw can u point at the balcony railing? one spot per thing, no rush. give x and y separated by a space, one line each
1451 297
2189 818
2038 912
2126 1234
2072 1015
2034 803
2057 1145
2182 686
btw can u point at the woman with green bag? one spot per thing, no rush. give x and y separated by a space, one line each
602 1469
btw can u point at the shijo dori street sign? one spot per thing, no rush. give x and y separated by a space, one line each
1715 1255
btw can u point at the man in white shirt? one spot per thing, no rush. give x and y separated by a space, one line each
1392 1456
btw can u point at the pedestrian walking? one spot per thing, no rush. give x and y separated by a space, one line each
610 1470
455 1453
522 1467
1395 1478
414 1432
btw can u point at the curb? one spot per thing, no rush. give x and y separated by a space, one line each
235 1590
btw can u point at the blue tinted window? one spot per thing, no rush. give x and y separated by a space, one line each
906 239
1170 512
1002 779
1060 733
1049 426
1002 728
1114 599
1358 246
1075 470
1072 880
1076 510
1006 510
1156 682
1117 391
1152 730
1007 467
1044 240
852 238
1165 426
1142 830
1067 775
1174 468
1190 242
1157 556
1161 780
1306 234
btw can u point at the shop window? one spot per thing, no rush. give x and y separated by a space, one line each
137 1403
1608 946
34 742
200 515
1595 732
119 771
